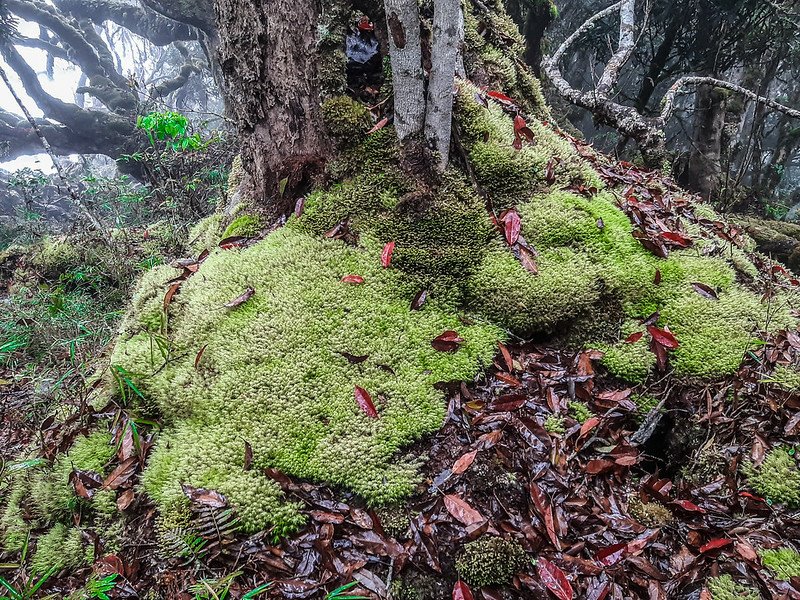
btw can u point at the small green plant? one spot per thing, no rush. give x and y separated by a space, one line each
127 388
99 588
30 586
172 128
340 593
219 589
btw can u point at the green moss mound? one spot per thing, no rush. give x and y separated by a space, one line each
783 562
490 561
275 373
725 588
777 478
61 547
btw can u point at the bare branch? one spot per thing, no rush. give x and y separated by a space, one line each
588 24
627 42
683 85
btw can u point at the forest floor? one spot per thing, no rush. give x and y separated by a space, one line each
614 502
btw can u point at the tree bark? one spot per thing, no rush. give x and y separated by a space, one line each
268 58
537 21
448 23
405 50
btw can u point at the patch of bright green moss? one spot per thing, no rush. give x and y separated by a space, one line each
243 226
206 233
777 478
490 561
725 588
786 377
555 424
579 411
273 373
346 118
62 547
13 527
784 562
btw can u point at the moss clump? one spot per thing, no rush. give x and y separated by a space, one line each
579 411
206 233
777 479
235 175
725 588
244 226
12 522
394 519
652 514
277 359
786 377
565 286
52 495
630 362
555 424
61 547
490 561
346 118
784 562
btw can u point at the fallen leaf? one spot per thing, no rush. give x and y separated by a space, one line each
461 511
663 337
705 291
511 226
379 125
85 483
364 401
173 289
248 456
715 544
354 279
449 341
506 356
554 579
634 337
354 359
199 356
125 499
122 474
386 255
464 462
210 498
419 300
461 591
238 301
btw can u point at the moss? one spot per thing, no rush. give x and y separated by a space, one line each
13 527
394 519
644 404
786 377
579 411
565 286
62 547
783 562
629 362
52 495
346 118
277 359
490 561
652 514
206 234
236 175
777 479
555 424
725 588
244 226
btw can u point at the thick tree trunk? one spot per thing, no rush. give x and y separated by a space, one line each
704 167
268 58
405 49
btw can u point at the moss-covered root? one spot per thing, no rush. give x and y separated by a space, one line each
490 561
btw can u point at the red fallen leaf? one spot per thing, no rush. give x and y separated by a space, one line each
599 591
461 591
554 579
354 279
542 505
125 499
588 425
678 239
528 259
449 341
173 289
248 456
612 554
461 511
715 544
199 356
210 498
550 172
506 356
634 337
364 401
689 506
419 300
508 402
320 516
386 255
464 462
746 551
508 379
109 565
705 291
663 337
379 125
502 98
657 277
599 465
246 295
511 226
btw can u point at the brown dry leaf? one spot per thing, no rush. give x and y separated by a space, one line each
461 511
464 462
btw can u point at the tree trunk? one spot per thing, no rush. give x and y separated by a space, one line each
705 159
537 21
268 58
657 64
448 23
405 50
